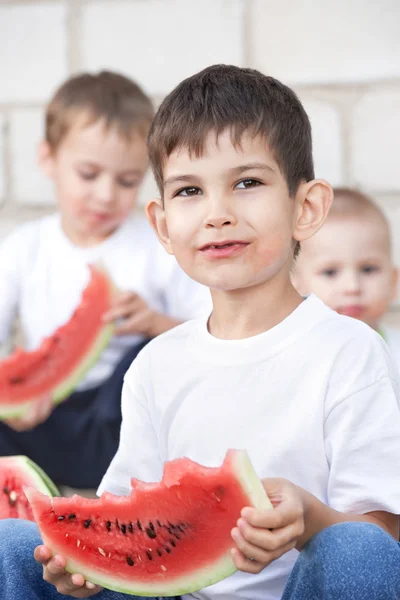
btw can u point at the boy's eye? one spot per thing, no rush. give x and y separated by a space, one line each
87 175
247 183
368 269
127 183
189 191
329 272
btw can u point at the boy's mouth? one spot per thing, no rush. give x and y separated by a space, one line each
224 249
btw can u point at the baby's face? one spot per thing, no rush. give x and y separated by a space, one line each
348 265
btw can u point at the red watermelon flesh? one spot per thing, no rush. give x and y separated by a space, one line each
16 472
63 358
165 539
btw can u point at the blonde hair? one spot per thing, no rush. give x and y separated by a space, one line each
106 95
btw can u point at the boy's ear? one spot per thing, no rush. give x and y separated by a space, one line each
156 216
45 156
313 200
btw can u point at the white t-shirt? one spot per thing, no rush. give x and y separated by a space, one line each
42 276
314 400
392 338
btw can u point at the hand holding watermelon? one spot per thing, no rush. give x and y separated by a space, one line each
262 536
54 572
36 413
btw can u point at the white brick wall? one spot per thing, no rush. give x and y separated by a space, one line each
323 42
33 50
175 38
2 159
375 141
29 184
342 58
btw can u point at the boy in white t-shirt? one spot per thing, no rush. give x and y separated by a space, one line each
95 153
349 263
312 395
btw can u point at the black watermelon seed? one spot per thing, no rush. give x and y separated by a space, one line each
169 530
71 516
6 490
159 552
151 533
123 529
139 525
176 535
151 525
86 523
130 528
181 528
171 541
167 549
149 556
158 523
129 561
108 525
61 518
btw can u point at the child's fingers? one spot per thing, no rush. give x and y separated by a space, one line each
242 563
56 567
42 554
251 552
269 540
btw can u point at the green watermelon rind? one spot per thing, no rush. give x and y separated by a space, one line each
199 579
37 477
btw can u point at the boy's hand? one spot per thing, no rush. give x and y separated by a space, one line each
262 536
54 572
38 412
137 316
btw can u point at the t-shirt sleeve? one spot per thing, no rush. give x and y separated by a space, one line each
362 435
137 455
9 283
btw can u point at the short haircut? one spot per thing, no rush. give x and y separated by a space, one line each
105 95
243 100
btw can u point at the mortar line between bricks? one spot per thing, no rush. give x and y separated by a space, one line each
74 36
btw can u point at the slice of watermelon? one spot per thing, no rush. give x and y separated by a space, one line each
165 539
63 359
16 472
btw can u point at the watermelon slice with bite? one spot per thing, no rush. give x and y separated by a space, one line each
16 472
164 539
63 359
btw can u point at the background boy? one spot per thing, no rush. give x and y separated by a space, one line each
95 153
349 263
311 394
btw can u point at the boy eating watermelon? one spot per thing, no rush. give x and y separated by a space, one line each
312 395
95 154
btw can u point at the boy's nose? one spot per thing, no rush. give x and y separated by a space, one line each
219 214
352 284
105 191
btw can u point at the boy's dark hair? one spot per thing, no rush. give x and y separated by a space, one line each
243 100
105 95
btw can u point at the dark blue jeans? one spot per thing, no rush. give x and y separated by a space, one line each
350 561
80 438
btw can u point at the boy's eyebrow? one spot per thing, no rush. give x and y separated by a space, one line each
90 163
250 166
235 171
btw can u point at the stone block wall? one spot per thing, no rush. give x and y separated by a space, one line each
343 59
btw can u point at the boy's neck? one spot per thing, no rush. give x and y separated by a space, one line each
83 240
250 311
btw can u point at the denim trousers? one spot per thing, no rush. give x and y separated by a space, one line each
349 561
